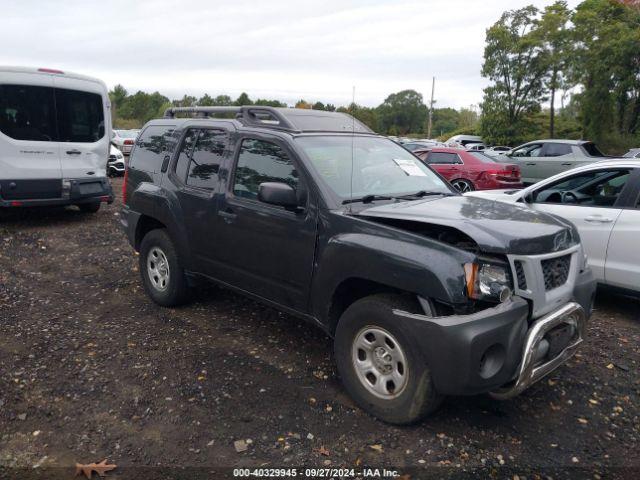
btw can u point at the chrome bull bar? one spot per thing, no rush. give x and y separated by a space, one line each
528 373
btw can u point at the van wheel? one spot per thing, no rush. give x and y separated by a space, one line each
161 269
380 365
92 207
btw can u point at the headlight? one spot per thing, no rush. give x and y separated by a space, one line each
488 281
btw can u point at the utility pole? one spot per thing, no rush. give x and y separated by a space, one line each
433 87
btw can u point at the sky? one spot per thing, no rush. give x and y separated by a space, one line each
277 49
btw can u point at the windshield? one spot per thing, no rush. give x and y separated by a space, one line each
380 166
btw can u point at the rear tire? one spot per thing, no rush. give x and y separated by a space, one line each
463 185
161 270
398 389
92 207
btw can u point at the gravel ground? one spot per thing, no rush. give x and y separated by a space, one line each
91 369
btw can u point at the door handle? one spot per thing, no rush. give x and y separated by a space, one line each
598 219
73 152
228 216
566 164
531 164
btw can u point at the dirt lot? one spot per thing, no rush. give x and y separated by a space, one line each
91 369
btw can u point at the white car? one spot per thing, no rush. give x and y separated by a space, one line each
124 140
603 201
497 150
115 164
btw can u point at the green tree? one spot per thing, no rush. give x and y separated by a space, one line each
117 96
607 66
445 120
516 64
243 99
403 110
553 30
270 103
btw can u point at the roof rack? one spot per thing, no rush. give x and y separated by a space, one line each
247 114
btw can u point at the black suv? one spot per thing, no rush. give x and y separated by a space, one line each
426 292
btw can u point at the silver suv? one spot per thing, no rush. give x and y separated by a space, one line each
542 159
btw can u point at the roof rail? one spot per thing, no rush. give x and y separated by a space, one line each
247 114
201 111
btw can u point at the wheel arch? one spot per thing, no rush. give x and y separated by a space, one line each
353 289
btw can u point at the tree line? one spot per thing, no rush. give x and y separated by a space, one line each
402 113
587 59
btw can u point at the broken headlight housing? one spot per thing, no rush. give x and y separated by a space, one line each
488 281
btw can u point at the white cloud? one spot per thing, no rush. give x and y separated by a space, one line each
285 49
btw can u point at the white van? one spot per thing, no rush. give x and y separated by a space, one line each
55 130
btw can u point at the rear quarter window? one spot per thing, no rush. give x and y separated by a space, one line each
154 143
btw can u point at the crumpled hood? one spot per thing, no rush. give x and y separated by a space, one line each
496 227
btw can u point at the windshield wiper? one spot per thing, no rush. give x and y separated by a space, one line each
367 199
423 193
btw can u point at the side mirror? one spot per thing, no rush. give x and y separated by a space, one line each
277 193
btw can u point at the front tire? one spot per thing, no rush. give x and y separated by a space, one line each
161 270
380 365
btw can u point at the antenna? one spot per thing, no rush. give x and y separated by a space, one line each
353 134
433 87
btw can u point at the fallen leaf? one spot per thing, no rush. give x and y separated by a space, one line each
322 451
583 421
610 366
88 468
376 447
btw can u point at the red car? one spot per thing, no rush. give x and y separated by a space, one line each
467 170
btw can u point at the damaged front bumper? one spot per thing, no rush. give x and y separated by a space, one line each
534 365
500 349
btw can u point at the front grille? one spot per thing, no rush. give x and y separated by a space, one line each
556 271
522 280
112 158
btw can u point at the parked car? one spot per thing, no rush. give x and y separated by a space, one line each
353 233
124 140
418 145
603 201
478 147
496 150
633 153
463 140
54 139
544 158
115 164
468 171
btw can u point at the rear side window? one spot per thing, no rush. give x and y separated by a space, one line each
556 149
80 116
484 158
206 158
442 158
261 161
592 150
28 112
154 143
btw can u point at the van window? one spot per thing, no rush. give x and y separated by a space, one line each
206 158
152 145
80 116
27 112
